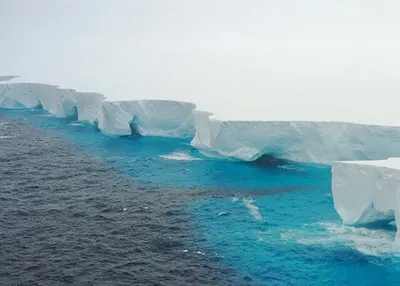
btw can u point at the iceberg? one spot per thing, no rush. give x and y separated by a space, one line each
19 95
300 141
147 118
143 117
368 193
59 102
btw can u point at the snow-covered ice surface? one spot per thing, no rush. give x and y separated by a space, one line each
367 192
300 141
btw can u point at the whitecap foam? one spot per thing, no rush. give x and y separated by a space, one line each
368 241
253 209
179 156
374 242
75 124
291 167
6 137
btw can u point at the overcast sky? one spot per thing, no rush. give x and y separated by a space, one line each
277 59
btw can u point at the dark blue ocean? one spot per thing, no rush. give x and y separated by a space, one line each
81 208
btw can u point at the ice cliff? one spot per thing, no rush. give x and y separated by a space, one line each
147 117
368 192
314 142
144 117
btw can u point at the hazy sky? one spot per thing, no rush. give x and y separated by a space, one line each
277 59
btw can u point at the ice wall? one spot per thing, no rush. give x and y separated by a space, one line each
59 102
317 142
148 118
145 117
311 142
368 192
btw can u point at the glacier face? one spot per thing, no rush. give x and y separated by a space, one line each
368 192
316 142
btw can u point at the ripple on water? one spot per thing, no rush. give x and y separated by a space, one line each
69 219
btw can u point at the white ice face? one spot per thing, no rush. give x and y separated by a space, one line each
147 117
18 96
307 141
313 142
367 192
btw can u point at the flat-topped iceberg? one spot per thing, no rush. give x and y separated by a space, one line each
147 118
59 102
300 141
144 117
368 192
316 142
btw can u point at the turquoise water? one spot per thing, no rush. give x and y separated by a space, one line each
274 225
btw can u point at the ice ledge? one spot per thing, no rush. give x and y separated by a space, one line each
368 193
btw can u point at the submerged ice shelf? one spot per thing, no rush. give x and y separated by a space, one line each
310 142
368 192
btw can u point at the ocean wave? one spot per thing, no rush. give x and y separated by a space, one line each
253 209
76 124
373 242
180 156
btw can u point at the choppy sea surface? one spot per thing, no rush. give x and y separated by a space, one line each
81 208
